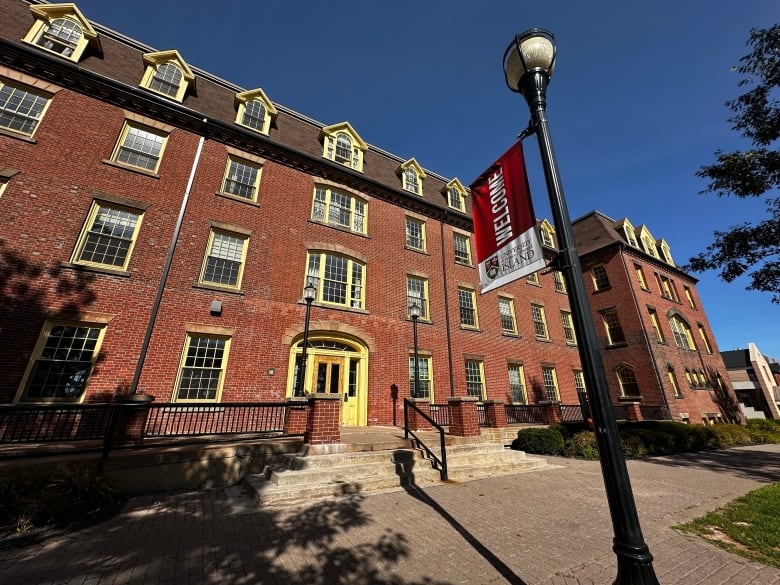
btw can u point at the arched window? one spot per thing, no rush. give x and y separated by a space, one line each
61 36
166 79
681 332
343 148
254 115
627 380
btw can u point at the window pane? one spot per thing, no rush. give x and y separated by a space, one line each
223 263
166 79
20 110
140 148
241 179
110 236
202 369
468 315
254 115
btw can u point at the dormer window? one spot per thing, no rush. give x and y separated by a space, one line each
666 252
255 110
412 176
648 242
167 74
61 29
456 195
342 145
628 232
546 232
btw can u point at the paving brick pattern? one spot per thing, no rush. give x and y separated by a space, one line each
549 527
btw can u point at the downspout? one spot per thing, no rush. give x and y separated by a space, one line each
446 306
649 345
166 269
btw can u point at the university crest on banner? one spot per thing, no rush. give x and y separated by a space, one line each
507 244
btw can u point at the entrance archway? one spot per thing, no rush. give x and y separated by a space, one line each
335 364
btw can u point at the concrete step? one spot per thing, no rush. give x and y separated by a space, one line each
299 461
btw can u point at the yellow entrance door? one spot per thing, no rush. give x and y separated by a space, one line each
330 377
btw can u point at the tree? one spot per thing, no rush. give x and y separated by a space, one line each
750 248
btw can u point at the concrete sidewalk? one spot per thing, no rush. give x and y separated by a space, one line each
549 527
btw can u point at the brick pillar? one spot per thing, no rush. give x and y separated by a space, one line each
416 422
323 423
464 420
552 413
296 416
633 412
132 416
495 414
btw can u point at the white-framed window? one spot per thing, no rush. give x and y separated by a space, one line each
338 208
627 381
506 309
600 277
242 178
61 36
415 234
462 245
62 361
425 376
475 379
21 108
202 368
108 236
417 293
140 146
517 384
579 382
568 328
612 326
550 379
455 199
540 322
339 279
681 332
225 259
467 303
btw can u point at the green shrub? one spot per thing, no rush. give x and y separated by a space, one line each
539 440
763 430
633 446
583 445
730 435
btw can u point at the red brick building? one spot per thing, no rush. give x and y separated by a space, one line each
158 225
657 344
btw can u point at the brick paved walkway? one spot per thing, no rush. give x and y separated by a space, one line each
547 527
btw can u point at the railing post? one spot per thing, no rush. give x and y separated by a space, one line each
322 425
416 422
633 412
495 414
464 419
133 412
296 416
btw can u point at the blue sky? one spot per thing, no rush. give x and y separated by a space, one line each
636 104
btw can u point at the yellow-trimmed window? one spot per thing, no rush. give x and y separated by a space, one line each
21 108
704 338
62 361
600 277
550 379
61 29
568 328
108 236
425 377
462 245
613 328
415 234
533 278
167 74
412 176
140 146
681 332
560 283
456 195
202 368
338 208
225 258
627 380
640 277
339 279
673 381
517 384
3 184
467 303
475 379
342 144
659 336
242 178
579 382
255 110
689 297
540 322
506 309
417 293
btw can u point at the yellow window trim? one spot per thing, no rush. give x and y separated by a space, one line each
123 136
38 93
329 187
425 299
223 370
423 356
155 60
244 237
255 94
246 162
457 186
321 253
39 345
472 293
418 171
423 235
328 136
96 205
45 14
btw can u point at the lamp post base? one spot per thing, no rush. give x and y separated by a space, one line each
634 565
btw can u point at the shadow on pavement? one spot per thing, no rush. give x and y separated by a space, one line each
759 462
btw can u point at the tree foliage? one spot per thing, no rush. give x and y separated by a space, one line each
750 248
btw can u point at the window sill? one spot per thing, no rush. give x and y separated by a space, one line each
420 321
462 263
601 290
418 250
544 339
238 198
96 269
322 305
637 398
217 288
338 227
18 136
472 329
616 345
510 334
130 168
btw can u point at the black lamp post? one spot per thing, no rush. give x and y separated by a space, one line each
414 313
309 294
528 64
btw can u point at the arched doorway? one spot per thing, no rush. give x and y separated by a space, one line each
335 364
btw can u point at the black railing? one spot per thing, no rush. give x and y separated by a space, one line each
653 412
482 414
439 462
620 411
441 414
49 423
524 413
571 413
177 420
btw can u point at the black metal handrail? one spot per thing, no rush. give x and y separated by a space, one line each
225 418
524 413
571 413
482 414
50 423
441 462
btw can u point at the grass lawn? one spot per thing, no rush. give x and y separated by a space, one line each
749 526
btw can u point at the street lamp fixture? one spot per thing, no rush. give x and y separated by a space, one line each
309 294
414 313
529 61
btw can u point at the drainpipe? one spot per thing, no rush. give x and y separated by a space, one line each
446 306
166 269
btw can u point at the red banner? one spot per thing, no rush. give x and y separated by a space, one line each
504 223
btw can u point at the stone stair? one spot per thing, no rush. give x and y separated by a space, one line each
329 470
